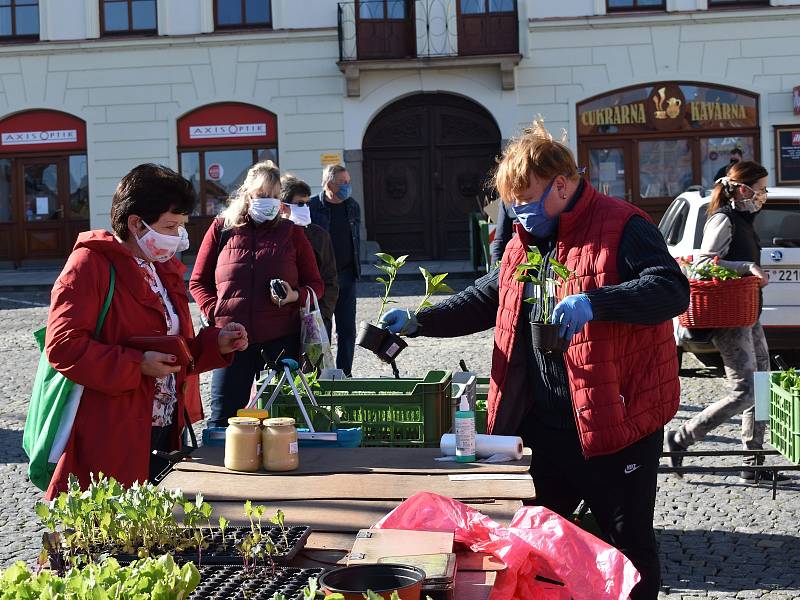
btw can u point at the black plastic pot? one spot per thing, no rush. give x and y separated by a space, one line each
256 584
381 342
353 582
544 336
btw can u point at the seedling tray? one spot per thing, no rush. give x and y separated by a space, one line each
254 584
784 419
218 553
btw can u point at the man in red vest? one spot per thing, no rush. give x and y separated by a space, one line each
594 415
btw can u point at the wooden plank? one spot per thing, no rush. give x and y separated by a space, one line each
318 461
346 515
377 486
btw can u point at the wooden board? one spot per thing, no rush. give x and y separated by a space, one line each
318 461
347 515
377 486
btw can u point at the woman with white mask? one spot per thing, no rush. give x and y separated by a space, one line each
295 195
246 248
134 401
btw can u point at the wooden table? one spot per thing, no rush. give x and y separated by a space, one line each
339 491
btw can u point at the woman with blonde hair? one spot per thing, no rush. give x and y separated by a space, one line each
255 268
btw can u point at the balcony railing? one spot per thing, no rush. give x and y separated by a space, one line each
407 29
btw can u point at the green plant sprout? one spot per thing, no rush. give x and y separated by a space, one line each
434 284
547 285
389 267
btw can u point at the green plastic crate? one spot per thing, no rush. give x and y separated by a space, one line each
390 412
784 419
481 393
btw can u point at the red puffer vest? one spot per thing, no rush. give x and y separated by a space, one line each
623 377
235 284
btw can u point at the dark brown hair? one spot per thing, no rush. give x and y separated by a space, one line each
744 171
292 186
149 191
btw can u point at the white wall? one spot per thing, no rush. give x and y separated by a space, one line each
63 19
547 9
572 60
182 17
304 14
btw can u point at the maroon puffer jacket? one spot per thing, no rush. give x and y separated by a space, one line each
234 285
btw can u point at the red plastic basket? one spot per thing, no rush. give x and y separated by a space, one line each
716 304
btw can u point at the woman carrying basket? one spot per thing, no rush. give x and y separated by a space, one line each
730 240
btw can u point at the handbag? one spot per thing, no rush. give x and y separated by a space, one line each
166 344
314 341
52 409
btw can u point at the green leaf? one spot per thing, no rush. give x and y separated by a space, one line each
437 279
387 258
381 280
425 273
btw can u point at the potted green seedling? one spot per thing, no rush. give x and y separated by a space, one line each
544 333
383 343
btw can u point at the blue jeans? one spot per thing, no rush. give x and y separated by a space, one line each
230 387
345 315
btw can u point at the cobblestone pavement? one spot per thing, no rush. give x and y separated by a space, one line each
719 538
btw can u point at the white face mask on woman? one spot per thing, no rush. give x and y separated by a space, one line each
264 209
158 247
300 214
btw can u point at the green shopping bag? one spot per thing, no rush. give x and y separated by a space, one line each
49 399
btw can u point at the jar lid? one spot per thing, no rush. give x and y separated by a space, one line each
278 422
254 413
243 421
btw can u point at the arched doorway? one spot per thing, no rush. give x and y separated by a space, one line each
44 185
426 158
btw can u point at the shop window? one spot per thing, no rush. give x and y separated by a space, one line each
217 174
78 187
240 14
6 195
715 153
128 16
625 5
19 18
665 167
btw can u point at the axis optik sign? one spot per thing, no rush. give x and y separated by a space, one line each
232 130
54 136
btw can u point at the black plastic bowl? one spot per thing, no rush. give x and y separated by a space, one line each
352 582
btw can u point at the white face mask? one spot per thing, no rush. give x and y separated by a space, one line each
264 209
301 214
183 245
158 247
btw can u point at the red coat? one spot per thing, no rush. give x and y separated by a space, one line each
623 377
232 284
112 427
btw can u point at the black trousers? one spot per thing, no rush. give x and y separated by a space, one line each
345 316
230 386
620 490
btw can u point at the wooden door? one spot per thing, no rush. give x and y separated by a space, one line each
385 29
398 202
459 184
43 192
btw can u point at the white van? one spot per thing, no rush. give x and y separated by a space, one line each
778 227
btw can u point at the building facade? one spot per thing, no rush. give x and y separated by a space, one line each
415 96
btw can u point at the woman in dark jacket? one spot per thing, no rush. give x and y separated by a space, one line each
730 239
295 194
245 249
133 401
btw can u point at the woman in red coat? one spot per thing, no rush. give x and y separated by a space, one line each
248 247
133 402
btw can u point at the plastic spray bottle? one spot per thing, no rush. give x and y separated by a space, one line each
465 432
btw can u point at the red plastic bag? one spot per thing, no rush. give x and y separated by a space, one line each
538 542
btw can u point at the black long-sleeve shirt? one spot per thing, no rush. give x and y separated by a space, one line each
652 290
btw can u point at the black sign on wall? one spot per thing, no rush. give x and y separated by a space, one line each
787 154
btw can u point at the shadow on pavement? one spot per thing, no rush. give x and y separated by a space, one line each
11 446
729 561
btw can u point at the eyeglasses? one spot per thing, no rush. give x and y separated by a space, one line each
756 192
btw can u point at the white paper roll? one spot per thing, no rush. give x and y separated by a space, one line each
486 445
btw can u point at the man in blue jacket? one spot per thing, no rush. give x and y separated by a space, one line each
338 213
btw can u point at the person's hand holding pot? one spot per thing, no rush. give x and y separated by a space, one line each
399 321
232 338
763 278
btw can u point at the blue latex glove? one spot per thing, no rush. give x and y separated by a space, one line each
572 313
399 320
